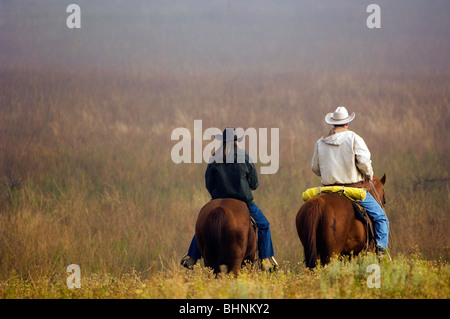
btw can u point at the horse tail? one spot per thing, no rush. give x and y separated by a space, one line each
213 236
310 215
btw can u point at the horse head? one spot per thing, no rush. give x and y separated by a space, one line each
376 189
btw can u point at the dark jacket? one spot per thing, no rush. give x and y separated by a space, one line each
232 180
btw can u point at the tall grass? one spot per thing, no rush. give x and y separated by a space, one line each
87 176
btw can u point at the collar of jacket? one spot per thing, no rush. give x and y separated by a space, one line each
337 129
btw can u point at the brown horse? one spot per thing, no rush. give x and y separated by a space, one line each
327 226
225 234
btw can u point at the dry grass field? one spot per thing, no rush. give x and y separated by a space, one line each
86 118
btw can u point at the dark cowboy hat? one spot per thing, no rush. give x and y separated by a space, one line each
229 134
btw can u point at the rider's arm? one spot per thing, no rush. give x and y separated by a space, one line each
315 161
362 155
252 175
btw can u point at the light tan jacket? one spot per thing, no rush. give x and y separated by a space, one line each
341 157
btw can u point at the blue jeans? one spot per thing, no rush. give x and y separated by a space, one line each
379 219
265 246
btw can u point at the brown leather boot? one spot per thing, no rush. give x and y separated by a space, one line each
269 264
188 262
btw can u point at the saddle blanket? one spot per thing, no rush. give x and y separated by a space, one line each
352 193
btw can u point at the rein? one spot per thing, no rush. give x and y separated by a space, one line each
376 194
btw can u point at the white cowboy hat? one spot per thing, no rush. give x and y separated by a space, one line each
339 117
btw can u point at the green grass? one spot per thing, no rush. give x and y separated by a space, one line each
403 277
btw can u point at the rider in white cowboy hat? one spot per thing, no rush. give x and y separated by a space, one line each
342 158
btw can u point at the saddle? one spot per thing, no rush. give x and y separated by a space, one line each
361 215
253 222
255 228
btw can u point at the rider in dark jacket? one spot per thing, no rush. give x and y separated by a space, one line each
234 180
233 175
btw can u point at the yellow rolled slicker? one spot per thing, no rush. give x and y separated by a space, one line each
352 193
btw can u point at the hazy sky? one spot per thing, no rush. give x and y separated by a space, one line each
225 34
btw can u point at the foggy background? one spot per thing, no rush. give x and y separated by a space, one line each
225 35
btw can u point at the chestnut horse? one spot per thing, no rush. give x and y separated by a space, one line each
327 226
225 234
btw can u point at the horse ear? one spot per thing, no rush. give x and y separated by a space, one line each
383 179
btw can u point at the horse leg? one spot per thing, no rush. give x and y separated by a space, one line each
234 252
235 267
235 259
325 250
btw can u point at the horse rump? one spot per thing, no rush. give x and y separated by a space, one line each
225 235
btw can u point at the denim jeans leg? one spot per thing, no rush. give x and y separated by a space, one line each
265 245
379 218
194 251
